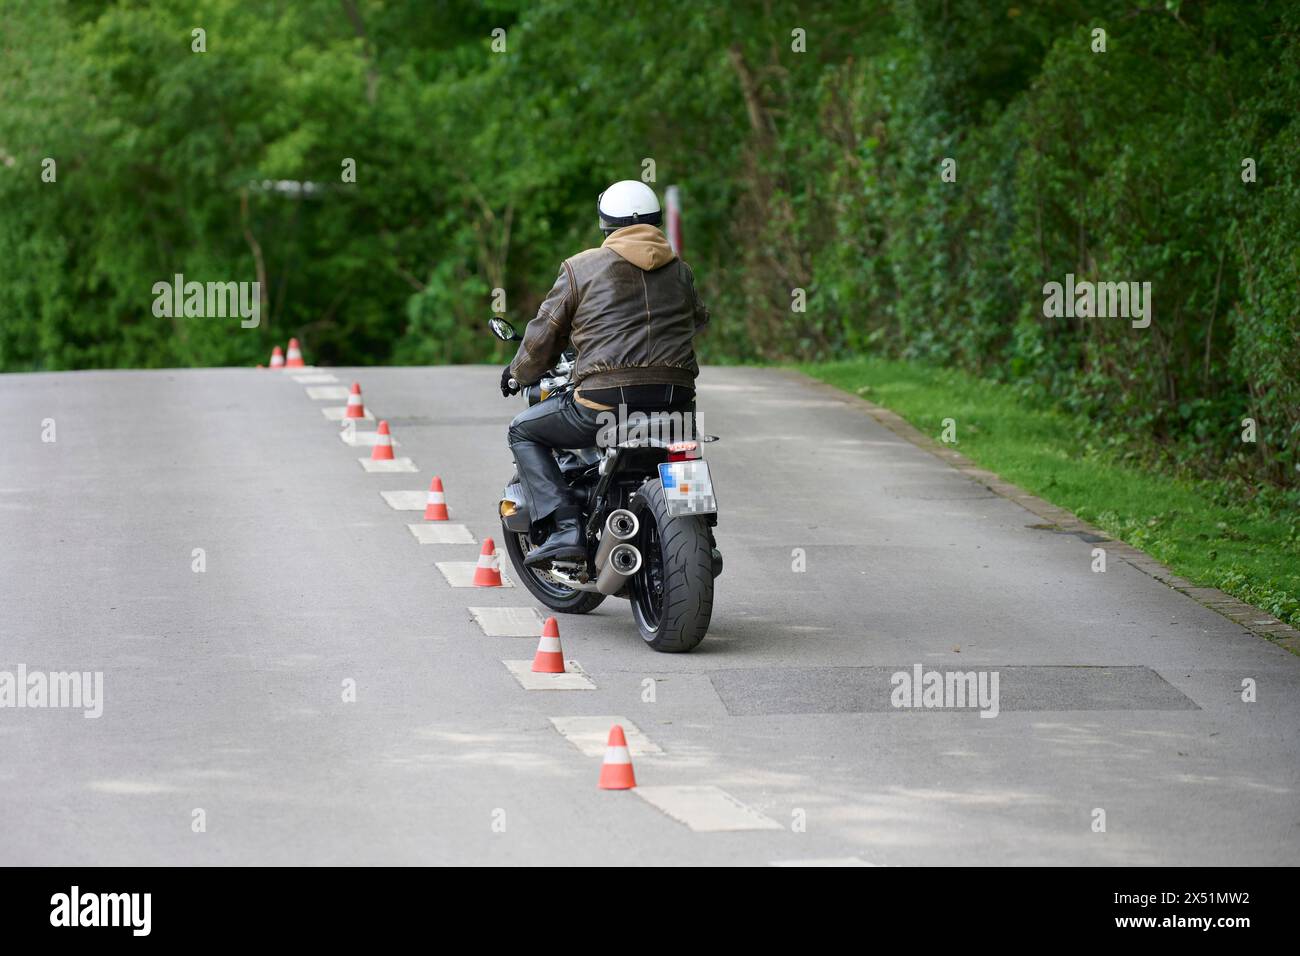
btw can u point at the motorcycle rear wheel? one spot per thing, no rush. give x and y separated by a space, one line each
672 593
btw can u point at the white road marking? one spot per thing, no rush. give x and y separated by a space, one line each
706 809
326 391
405 500
590 734
315 378
508 621
460 574
573 678
335 413
388 465
441 532
828 861
359 439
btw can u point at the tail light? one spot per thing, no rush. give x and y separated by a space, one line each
683 450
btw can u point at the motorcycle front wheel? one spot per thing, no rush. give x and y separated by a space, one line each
557 597
672 593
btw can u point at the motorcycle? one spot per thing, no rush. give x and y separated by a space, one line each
648 514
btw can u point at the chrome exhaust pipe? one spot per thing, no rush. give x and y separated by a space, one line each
624 560
621 526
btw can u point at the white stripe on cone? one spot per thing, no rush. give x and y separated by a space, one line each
617 755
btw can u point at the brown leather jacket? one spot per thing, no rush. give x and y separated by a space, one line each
629 308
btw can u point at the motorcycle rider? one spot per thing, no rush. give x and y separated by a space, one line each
630 309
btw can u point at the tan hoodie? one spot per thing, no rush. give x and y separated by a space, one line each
644 246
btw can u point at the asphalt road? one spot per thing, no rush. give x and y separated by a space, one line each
223 689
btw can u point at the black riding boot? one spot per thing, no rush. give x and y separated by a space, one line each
565 542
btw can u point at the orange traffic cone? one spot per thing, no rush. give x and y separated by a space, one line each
616 772
277 358
435 509
383 450
294 359
355 409
487 574
549 658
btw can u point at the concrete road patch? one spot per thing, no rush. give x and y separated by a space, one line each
508 621
706 809
388 465
338 413
573 678
441 532
857 690
460 574
406 500
591 734
360 439
320 392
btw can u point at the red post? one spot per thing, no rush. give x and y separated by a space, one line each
673 218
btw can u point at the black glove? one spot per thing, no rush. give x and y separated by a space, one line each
508 388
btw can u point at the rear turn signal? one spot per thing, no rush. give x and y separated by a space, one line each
507 508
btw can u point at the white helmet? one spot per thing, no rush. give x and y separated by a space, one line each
628 203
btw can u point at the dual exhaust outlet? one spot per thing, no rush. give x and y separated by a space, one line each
616 558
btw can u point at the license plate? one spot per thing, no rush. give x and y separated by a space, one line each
688 489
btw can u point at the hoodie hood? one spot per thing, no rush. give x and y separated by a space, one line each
643 245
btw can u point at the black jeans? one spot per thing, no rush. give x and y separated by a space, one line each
560 422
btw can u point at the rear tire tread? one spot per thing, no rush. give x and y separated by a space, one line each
688 592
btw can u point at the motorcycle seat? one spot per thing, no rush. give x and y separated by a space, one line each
647 430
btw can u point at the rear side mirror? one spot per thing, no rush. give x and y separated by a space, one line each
502 329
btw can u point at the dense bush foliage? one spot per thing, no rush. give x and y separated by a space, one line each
817 170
